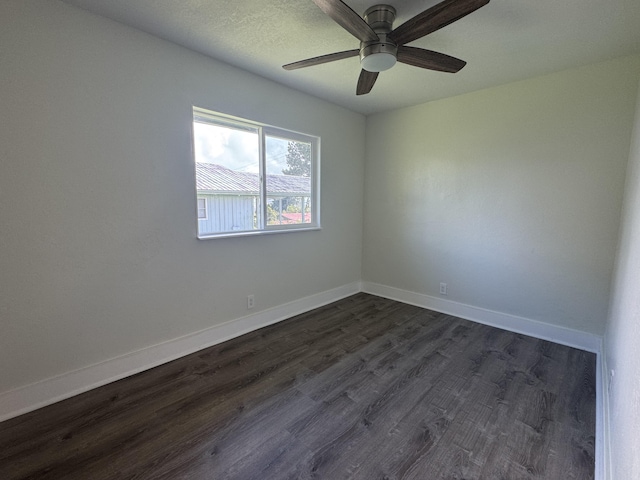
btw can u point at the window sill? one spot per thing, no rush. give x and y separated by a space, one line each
257 233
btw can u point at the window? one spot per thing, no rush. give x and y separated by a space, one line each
253 178
202 208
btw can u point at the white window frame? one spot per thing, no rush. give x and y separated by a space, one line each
263 132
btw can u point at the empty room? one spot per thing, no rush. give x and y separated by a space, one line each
411 253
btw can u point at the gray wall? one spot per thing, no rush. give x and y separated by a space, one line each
510 195
623 330
99 255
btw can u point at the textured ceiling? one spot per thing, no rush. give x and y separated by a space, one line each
504 41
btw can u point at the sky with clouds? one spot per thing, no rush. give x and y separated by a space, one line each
237 149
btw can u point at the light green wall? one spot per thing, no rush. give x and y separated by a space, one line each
98 253
510 195
623 333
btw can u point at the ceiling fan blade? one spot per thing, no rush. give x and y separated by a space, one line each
366 81
434 18
419 57
331 57
347 19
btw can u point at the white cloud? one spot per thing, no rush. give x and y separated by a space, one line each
276 155
234 149
237 149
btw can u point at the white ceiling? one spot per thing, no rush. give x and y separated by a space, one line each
504 41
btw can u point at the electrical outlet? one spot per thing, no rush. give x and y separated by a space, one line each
251 301
443 288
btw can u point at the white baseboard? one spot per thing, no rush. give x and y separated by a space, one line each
603 435
45 392
534 328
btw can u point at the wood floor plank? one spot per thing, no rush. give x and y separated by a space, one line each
364 388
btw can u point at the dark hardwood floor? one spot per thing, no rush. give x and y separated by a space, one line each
364 388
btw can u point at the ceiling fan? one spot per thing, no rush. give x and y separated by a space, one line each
381 45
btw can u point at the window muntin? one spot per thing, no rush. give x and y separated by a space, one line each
253 178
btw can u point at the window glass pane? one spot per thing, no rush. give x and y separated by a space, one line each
289 170
227 176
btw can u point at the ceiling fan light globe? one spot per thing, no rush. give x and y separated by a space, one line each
378 62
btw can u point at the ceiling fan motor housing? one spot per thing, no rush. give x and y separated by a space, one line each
380 55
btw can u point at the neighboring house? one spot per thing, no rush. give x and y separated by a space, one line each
228 200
